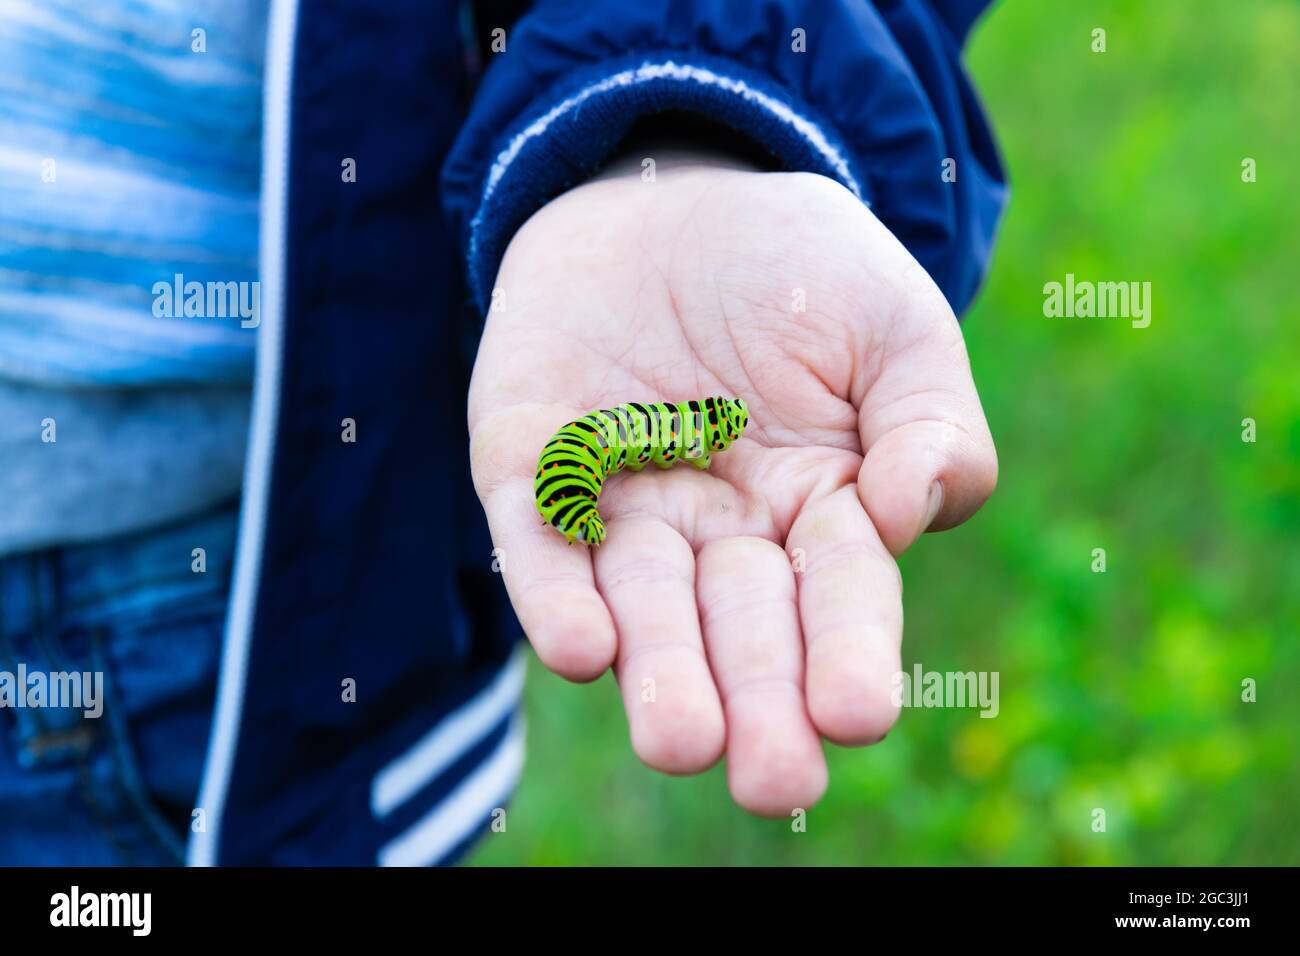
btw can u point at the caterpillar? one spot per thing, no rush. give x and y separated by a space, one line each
575 463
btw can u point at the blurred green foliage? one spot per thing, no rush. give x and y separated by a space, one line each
1119 690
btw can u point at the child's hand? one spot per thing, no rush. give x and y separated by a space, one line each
755 606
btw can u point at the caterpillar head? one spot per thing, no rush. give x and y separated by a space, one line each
733 416
590 530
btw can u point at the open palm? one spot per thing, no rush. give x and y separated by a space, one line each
755 607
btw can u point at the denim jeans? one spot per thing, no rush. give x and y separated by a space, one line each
117 788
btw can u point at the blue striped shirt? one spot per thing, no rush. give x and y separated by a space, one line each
129 155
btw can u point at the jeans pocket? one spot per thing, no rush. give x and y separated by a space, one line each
134 627
48 701
163 675
123 749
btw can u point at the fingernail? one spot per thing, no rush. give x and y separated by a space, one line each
934 503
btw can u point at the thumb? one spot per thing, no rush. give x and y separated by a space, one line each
929 457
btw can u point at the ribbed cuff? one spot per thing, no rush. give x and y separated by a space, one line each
565 139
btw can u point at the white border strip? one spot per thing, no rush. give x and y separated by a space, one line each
224 738
455 734
454 819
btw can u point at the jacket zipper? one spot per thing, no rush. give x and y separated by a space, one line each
223 742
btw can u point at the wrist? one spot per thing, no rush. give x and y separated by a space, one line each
670 155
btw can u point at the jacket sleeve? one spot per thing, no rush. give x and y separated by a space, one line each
872 94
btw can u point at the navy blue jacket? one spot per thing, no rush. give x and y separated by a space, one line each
367 564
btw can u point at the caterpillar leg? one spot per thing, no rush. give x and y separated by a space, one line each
703 461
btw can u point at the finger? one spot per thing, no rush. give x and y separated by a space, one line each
930 461
851 609
751 631
550 582
646 573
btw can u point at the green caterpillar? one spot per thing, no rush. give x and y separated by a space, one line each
575 463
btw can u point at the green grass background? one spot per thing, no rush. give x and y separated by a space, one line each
1119 690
